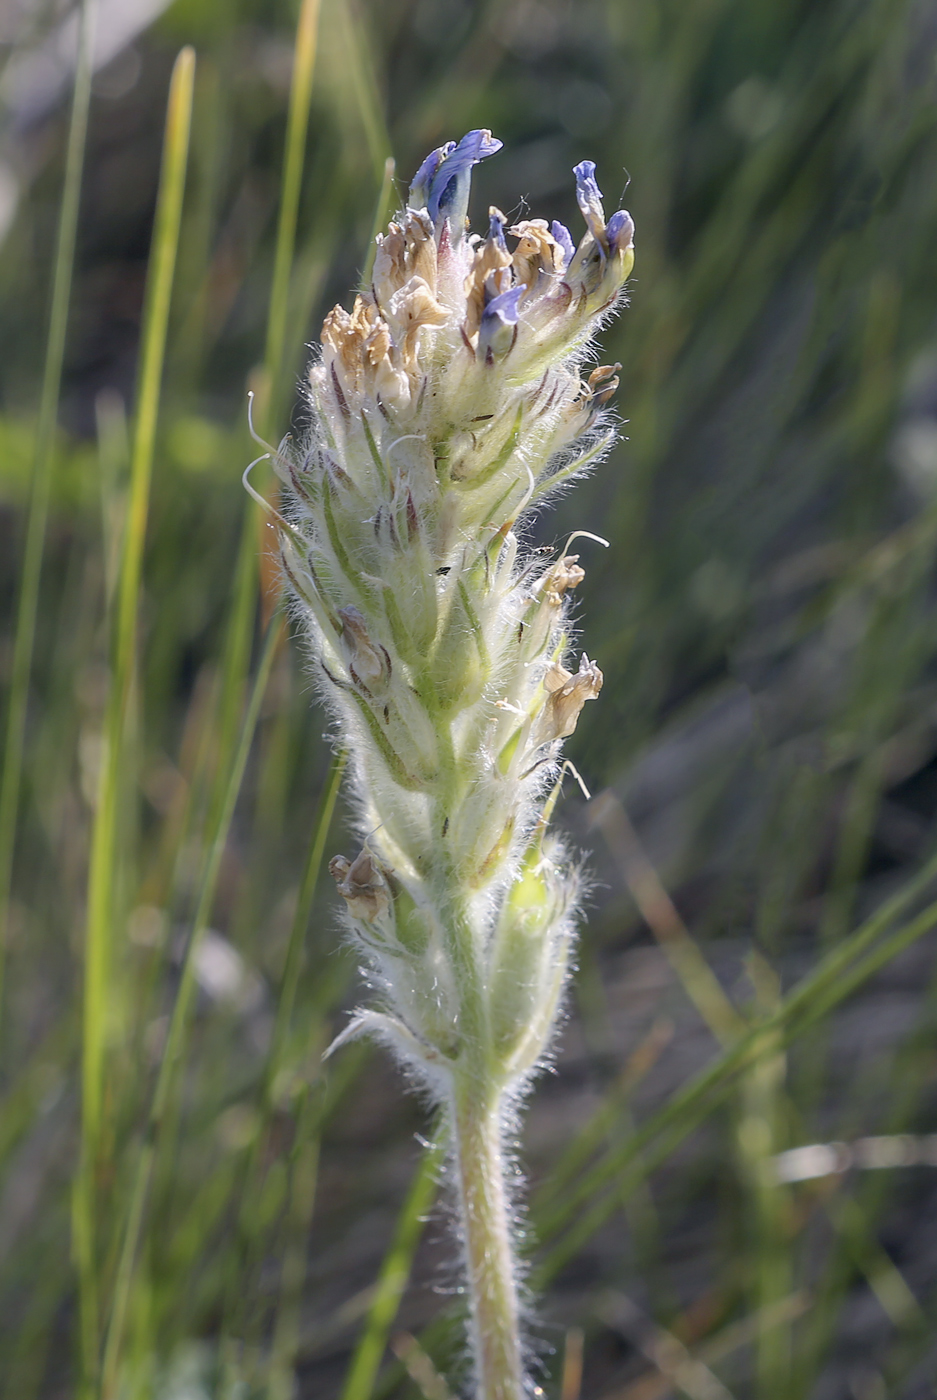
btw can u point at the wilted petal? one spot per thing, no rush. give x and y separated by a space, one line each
603 381
565 573
390 269
497 283
537 251
566 695
420 246
410 308
490 257
392 386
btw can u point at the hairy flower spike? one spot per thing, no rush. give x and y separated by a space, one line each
448 403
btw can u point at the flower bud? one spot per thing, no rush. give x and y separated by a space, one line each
529 959
620 231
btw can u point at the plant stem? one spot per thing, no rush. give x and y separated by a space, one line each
476 1116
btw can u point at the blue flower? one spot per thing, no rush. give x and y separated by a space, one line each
589 197
499 323
443 181
563 237
496 227
420 185
620 231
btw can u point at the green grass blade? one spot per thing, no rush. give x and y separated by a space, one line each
249 1224
237 641
298 1218
178 1020
25 635
304 57
159 290
392 1280
816 996
209 881
659 912
104 842
822 988
307 890
359 67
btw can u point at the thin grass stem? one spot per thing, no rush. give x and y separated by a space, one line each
105 832
360 69
178 1020
298 1218
395 1272
304 901
208 883
37 519
249 1214
814 998
820 989
297 123
241 621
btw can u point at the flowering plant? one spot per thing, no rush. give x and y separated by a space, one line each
446 405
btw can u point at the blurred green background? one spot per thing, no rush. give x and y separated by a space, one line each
765 748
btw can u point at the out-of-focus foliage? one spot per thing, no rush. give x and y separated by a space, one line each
764 617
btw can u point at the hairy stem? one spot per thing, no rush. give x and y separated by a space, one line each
476 1112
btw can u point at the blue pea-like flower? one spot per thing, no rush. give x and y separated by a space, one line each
420 184
563 237
589 198
499 324
496 228
444 179
620 231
